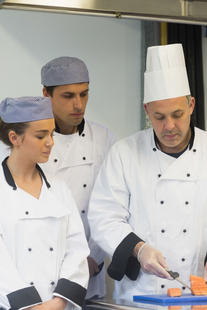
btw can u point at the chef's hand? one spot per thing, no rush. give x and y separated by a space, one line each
92 265
205 272
57 303
152 261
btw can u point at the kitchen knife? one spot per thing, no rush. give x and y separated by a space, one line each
175 276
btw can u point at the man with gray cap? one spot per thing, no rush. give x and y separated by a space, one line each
148 205
80 146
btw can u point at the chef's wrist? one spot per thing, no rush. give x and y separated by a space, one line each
137 248
35 307
59 302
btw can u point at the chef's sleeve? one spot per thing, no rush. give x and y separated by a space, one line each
74 273
14 293
108 217
95 251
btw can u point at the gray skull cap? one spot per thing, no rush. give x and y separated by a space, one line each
25 109
64 71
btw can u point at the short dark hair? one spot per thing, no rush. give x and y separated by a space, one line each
5 128
50 90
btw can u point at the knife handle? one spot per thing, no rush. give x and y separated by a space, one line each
173 274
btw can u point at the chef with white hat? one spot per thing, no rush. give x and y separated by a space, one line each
148 207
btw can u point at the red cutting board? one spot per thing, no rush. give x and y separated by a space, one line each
185 299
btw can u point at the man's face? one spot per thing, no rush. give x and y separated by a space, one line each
69 104
171 119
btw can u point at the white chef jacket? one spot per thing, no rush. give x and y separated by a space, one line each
43 249
77 159
143 193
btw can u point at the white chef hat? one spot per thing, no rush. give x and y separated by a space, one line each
166 75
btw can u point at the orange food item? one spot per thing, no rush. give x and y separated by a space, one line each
199 291
174 292
199 307
197 281
198 285
179 308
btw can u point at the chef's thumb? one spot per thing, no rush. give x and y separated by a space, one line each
163 263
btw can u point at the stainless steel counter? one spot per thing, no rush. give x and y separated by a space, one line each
123 304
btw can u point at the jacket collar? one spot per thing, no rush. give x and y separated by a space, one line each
9 177
192 136
80 127
190 144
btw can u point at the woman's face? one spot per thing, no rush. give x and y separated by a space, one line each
36 143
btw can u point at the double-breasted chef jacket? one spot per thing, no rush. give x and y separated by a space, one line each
76 159
144 194
43 249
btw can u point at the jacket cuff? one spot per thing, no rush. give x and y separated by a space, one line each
123 263
71 290
24 298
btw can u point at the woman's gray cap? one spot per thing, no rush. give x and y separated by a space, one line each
25 109
64 71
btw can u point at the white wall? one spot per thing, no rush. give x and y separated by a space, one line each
110 48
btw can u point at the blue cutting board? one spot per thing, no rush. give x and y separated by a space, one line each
185 299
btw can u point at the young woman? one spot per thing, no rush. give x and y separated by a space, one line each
43 249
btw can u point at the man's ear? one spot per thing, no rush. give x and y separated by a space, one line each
192 105
14 138
146 109
45 93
